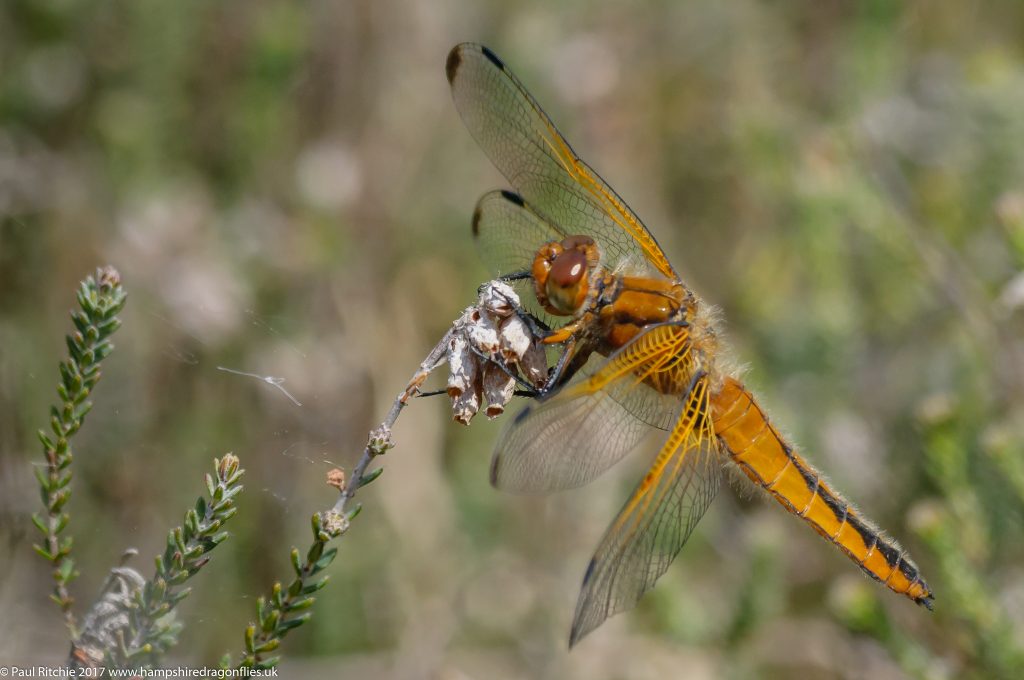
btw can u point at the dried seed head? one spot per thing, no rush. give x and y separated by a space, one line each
515 338
108 277
227 465
497 298
466 405
463 366
499 387
336 478
333 523
534 364
483 335
486 335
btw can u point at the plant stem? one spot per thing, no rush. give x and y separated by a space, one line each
380 438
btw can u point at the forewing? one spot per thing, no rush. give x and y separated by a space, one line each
525 146
656 521
572 437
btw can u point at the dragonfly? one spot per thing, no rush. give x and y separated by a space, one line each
639 351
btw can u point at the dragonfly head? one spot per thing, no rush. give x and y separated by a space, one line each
561 273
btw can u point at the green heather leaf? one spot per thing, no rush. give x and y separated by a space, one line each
81 410
269 646
44 440
261 608
267 664
80 320
44 482
40 524
315 585
326 560
296 560
250 639
289 624
73 349
369 477
300 604
270 622
66 570
315 551
58 501
43 552
215 540
175 598
108 326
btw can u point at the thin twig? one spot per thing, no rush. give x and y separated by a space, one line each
380 437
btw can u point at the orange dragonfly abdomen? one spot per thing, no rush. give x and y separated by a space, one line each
765 457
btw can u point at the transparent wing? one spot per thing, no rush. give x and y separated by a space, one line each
572 437
656 521
525 146
507 232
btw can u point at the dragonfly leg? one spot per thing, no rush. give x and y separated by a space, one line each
498 361
515 276
569 362
430 393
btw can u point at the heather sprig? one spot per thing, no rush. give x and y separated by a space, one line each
100 299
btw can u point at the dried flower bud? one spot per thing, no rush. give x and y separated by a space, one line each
463 366
336 478
482 334
227 466
333 523
499 387
466 405
515 338
108 277
498 298
534 364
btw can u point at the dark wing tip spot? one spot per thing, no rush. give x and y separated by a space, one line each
477 214
495 468
492 57
512 197
521 416
451 65
590 571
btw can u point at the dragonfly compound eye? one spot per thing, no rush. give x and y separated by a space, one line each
566 285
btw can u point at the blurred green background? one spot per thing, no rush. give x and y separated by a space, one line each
286 189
